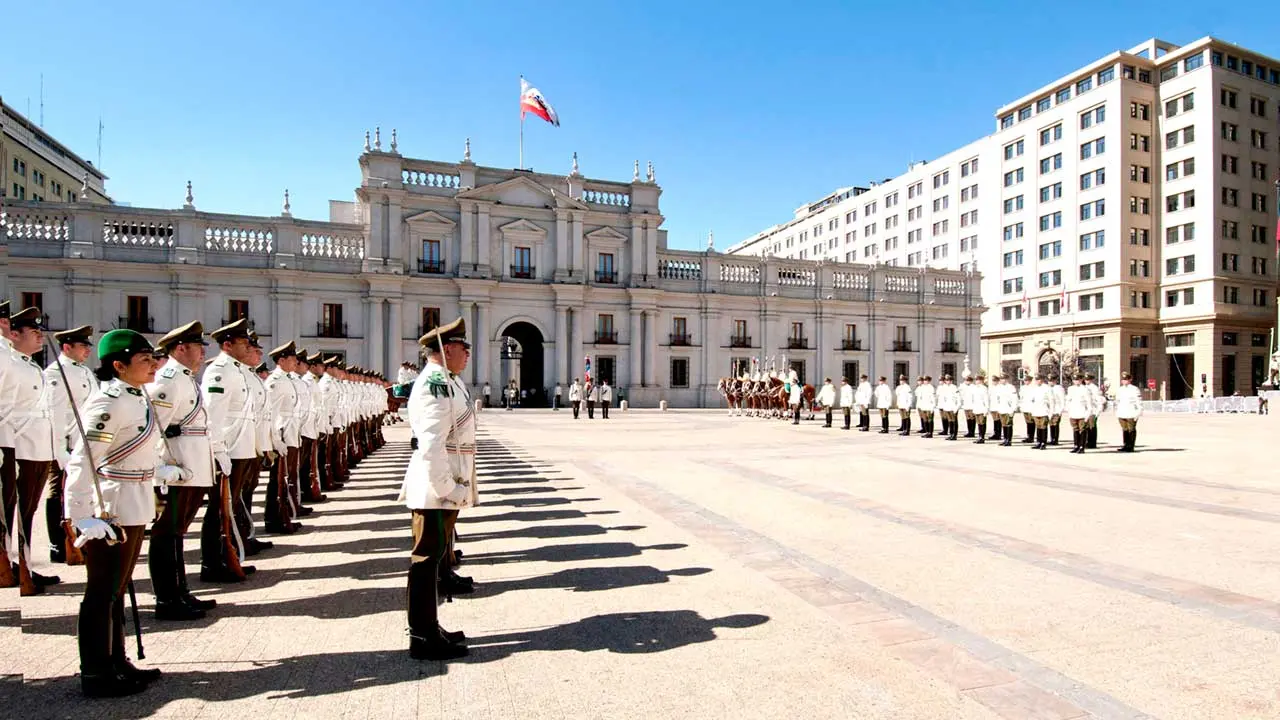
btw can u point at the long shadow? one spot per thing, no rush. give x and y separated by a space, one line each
544 532
507 473
535 502
534 516
590 579
530 490
569 553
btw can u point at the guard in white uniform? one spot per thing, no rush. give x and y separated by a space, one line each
846 401
1057 397
966 404
862 399
233 430
71 384
286 438
949 405
1128 410
827 399
1024 406
903 395
1078 406
1038 401
30 427
110 501
884 401
926 404
8 463
980 401
183 421
1099 401
440 480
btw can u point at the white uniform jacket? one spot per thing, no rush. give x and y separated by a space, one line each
329 419
884 397
593 394
863 397
948 397
1098 400
306 415
232 428
442 471
7 359
606 394
264 422
1079 402
124 442
926 398
797 394
1128 402
282 409
183 420
1004 399
827 395
575 392
980 399
81 382
1024 397
1037 401
965 392
846 396
319 413
29 419
903 395
1057 397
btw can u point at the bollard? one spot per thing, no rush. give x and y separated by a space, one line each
662 405
479 405
623 406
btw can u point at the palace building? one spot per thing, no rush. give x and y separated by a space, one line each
547 270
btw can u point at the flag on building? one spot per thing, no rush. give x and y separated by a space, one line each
1026 304
531 101
587 368
1065 301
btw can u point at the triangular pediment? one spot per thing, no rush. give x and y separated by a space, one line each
523 226
522 192
606 234
430 217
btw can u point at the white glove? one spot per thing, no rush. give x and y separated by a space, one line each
223 460
91 528
169 474
458 495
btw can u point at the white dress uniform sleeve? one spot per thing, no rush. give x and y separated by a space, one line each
430 417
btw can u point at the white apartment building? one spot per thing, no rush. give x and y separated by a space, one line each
1123 217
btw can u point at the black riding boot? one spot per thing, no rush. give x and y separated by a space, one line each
982 433
884 424
119 660
1053 434
162 558
828 419
57 534
180 571
999 431
1008 435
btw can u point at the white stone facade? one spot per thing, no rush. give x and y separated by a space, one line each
566 266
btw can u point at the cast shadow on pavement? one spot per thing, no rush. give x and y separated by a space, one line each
534 516
589 579
568 553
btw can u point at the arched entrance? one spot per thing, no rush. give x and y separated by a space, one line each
1050 364
520 355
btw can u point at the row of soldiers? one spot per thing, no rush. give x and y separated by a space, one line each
147 438
1042 403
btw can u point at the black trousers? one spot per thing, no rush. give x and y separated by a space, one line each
164 555
53 511
591 409
604 408
100 630
430 542
577 405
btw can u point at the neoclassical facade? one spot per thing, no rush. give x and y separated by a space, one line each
547 270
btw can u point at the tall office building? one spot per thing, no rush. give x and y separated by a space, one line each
1123 217
35 166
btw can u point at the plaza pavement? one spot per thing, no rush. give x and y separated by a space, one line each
688 564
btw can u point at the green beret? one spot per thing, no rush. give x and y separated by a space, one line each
122 342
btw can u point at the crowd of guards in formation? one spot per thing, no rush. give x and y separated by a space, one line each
1043 403
144 440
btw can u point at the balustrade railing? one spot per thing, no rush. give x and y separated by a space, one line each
137 232
606 337
239 239
605 197
430 179
326 245
679 270
24 224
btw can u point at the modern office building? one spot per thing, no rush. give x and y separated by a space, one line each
1123 216
34 166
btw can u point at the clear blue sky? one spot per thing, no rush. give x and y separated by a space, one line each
747 109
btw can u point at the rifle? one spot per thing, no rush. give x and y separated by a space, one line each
102 513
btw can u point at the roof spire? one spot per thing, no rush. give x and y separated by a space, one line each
190 199
575 172
377 138
649 177
366 141
635 173
286 212
466 151
393 140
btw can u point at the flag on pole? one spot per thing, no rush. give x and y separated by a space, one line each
1066 306
1026 304
587 370
531 101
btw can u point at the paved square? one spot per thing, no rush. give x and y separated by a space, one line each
688 564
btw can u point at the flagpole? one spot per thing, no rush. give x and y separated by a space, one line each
522 139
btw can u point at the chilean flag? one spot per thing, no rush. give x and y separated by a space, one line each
531 101
587 367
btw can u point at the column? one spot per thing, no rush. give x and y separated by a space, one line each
464 311
651 251
395 224
377 228
651 341
560 368
482 344
576 261
373 338
635 343
563 244
395 336
637 247
482 238
576 355
463 253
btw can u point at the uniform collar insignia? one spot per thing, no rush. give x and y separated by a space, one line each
133 391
